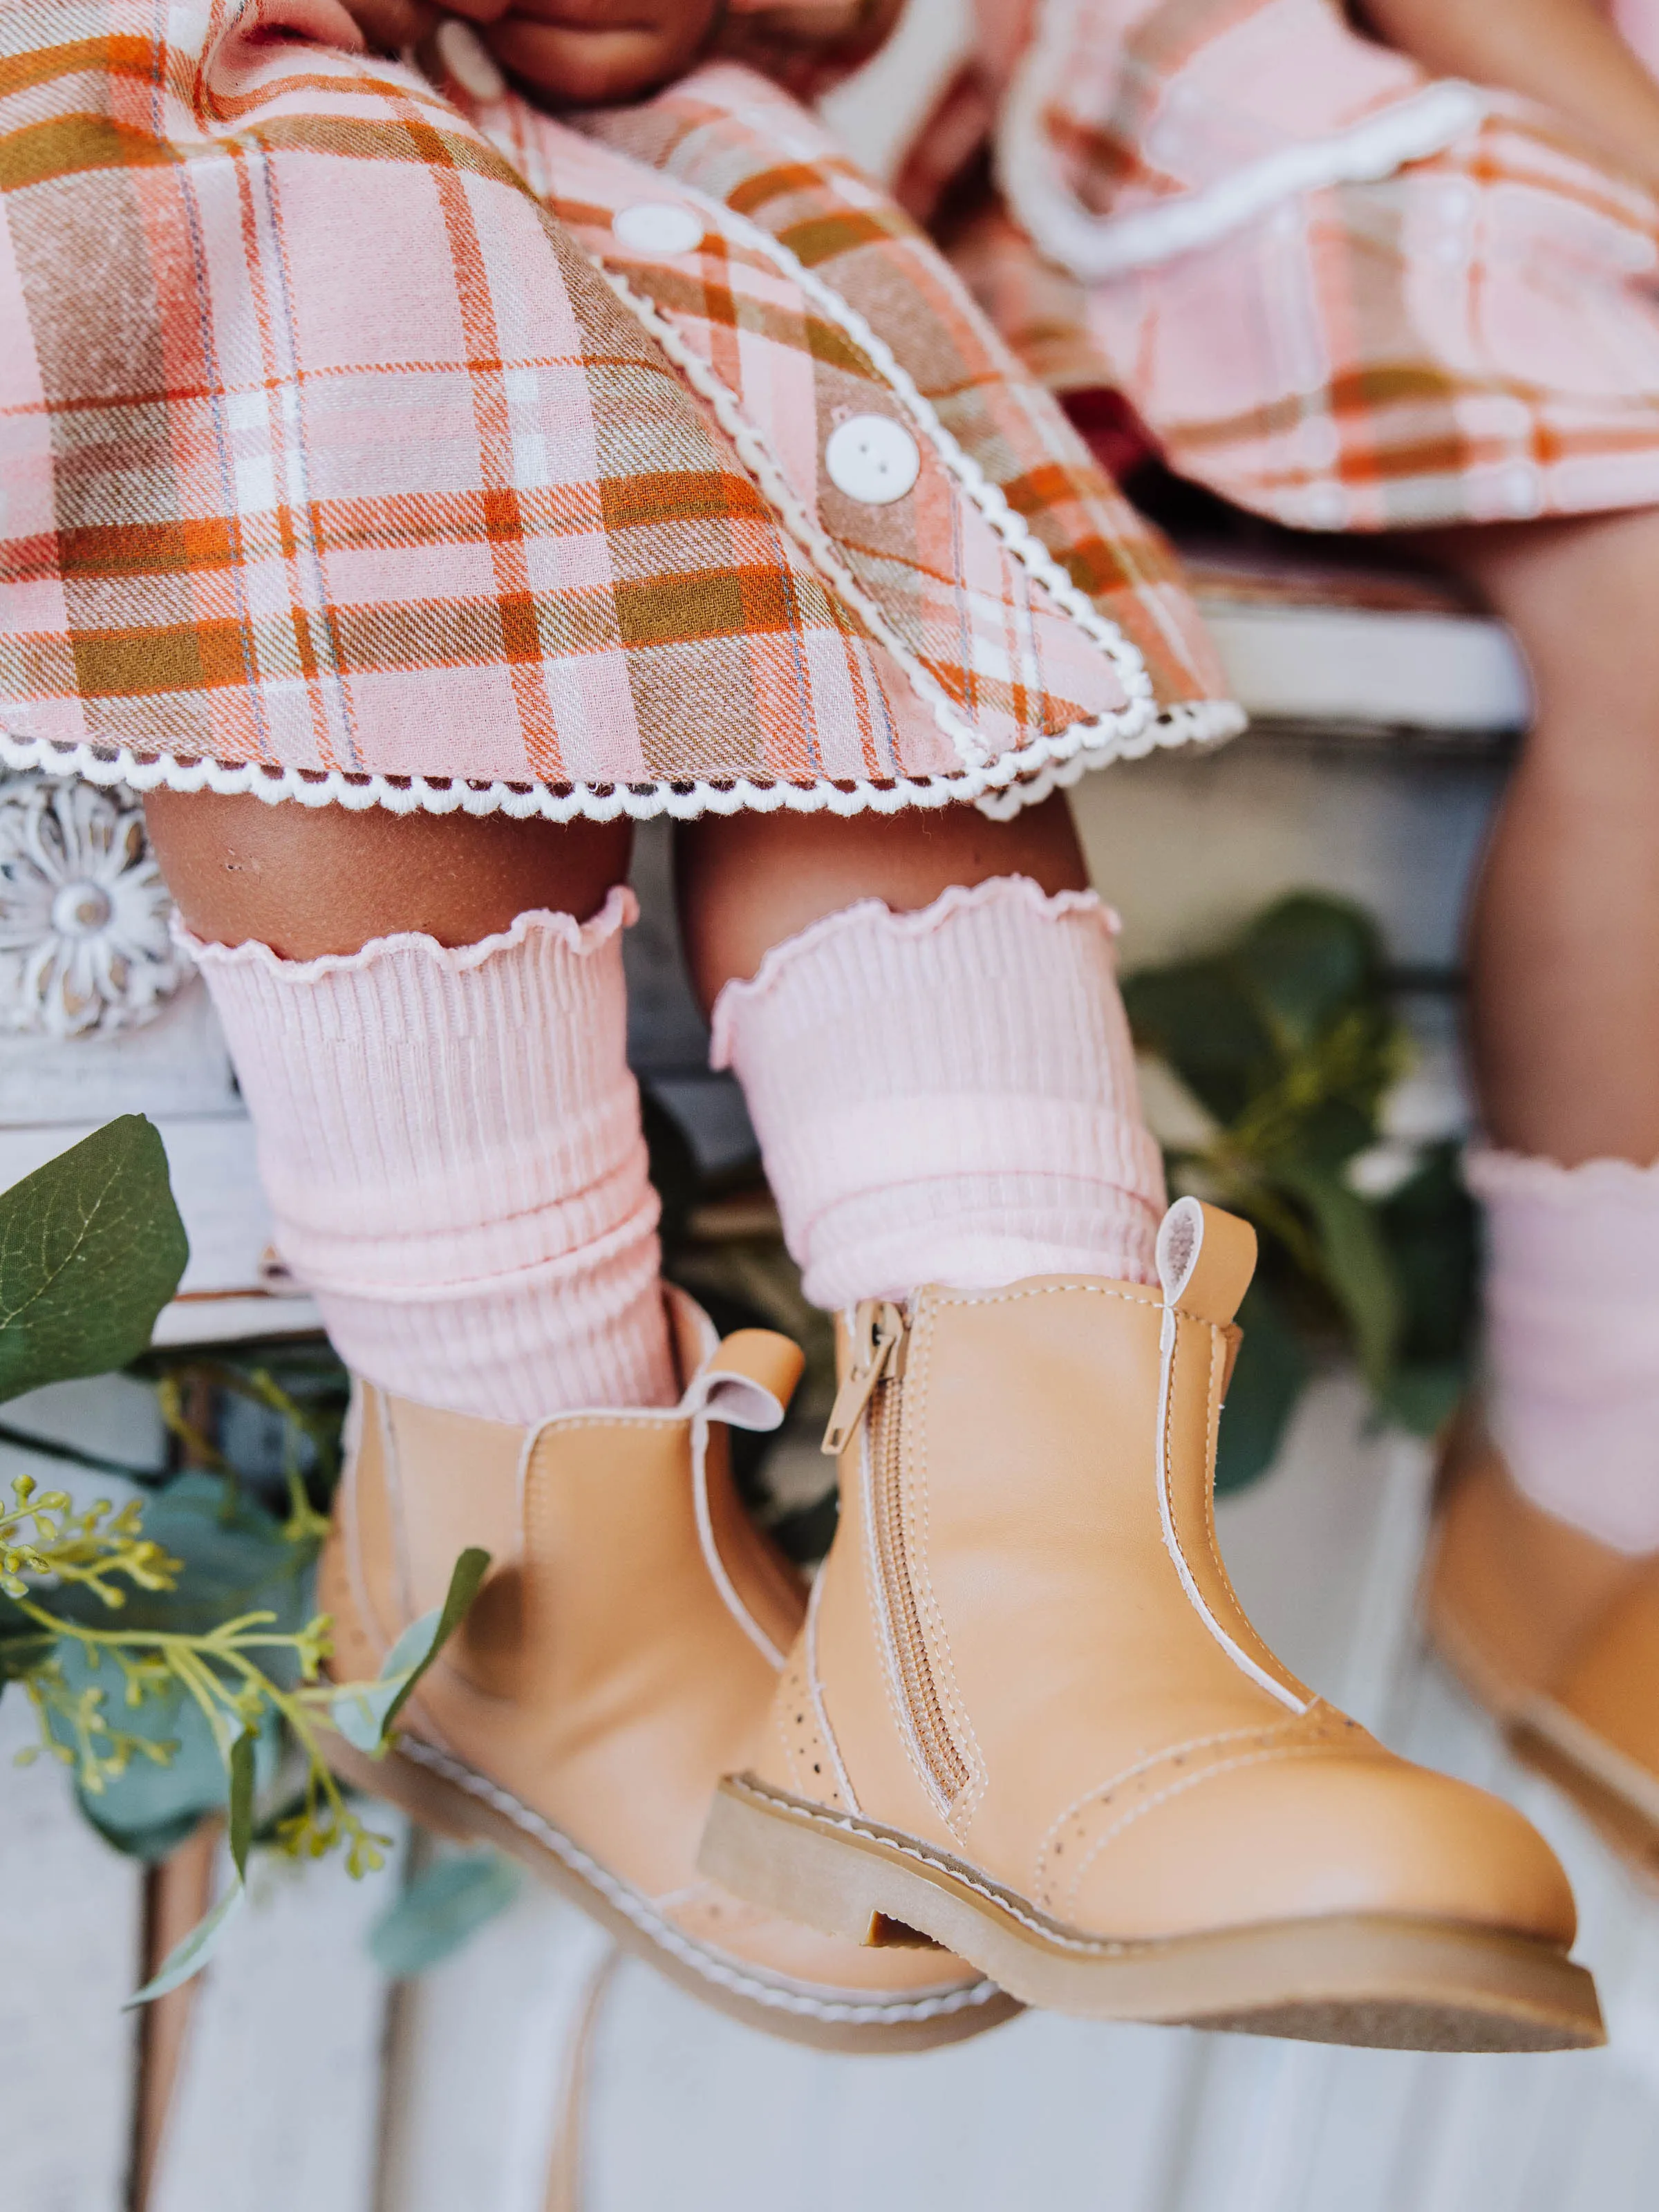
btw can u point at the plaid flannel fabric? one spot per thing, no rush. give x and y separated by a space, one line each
348 452
1460 332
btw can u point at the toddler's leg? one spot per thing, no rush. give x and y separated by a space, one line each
924 1014
427 1017
1026 1713
1564 1026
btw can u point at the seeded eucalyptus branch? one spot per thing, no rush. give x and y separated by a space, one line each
162 1691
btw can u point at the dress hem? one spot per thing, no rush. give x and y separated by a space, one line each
1000 787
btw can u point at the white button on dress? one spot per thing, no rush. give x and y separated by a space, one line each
658 226
872 458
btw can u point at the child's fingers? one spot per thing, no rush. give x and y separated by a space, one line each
391 25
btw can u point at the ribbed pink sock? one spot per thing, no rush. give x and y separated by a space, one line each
451 1144
948 1095
1572 1338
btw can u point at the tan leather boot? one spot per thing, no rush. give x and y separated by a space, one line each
621 1655
1557 1636
1028 1716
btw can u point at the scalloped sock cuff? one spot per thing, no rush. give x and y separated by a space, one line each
451 1144
1572 1338
948 1095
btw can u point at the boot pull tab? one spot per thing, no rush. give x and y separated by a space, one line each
749 1379
1206 1259
747 1382
879 1334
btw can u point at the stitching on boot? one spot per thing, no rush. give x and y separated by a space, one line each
1126 1775
636 1909
1178 1789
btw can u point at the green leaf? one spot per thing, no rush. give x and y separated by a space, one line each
91 1249
1310 957
1196 1015
190 1956
1422 1396
1270 1376
1357 1268
364 1712
240 1825
148 1810
441 1909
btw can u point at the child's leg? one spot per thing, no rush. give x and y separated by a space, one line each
1564 1026
448 1131
924 1014
1026 1693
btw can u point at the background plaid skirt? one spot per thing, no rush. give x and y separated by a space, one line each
368 440
1471 336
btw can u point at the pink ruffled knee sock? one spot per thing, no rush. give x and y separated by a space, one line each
451 1144
948 1095
1572 1338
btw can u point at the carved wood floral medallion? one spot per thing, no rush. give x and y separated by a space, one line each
83 912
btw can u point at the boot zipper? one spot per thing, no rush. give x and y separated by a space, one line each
880 1330
874 1391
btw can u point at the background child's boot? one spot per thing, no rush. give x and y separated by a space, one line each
1027 1715
620 1656
1558 1634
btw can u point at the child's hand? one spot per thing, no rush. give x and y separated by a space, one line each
392 26
586 53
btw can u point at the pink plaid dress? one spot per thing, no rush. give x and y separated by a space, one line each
370 441
1337 291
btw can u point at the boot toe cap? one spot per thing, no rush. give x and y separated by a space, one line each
1302 1837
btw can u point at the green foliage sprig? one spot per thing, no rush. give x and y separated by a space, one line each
216 1665
1288 1041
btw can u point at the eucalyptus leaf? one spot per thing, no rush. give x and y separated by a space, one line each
240 1825
91 1249
159 1799
189 1957
364 1712
440 1909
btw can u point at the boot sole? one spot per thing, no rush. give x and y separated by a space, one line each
1394 1984
443 1794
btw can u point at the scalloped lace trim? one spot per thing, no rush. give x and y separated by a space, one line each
1002 787
621 911
1097 247
920 922
1491 1174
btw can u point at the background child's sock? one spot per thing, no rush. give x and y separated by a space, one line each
948 1095
451 1144
1572 1331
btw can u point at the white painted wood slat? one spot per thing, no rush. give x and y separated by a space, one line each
277 2108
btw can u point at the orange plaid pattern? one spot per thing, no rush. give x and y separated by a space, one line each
350 452
1464 330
